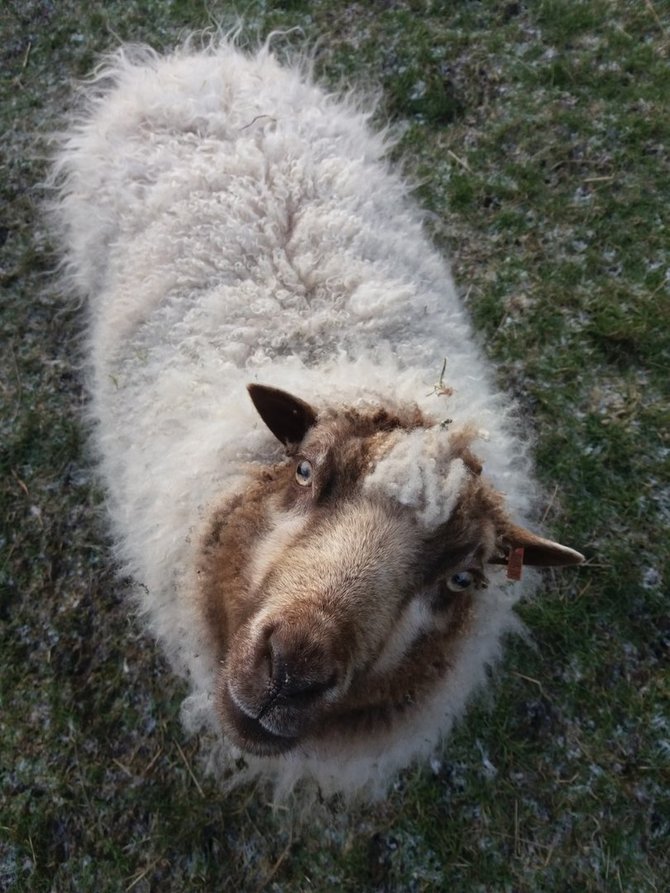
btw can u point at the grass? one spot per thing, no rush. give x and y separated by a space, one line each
539 138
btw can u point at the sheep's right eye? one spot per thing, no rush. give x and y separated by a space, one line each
461 581
303 473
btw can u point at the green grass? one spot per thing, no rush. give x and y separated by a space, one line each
539 138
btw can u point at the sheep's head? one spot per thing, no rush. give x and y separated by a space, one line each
339 584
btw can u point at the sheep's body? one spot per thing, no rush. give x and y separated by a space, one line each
229 223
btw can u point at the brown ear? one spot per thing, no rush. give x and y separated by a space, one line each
537 551
288 417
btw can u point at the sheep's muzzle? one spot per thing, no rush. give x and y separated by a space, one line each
290 676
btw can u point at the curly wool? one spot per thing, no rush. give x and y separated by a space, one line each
230 222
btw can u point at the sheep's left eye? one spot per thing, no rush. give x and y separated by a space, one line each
461 581
303 473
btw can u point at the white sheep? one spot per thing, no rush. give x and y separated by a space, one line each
229 223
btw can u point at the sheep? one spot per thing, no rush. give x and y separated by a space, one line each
318 532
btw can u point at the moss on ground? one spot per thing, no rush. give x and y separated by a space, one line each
539 138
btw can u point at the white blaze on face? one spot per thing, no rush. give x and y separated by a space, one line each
417 472
417 618
359 555
284 529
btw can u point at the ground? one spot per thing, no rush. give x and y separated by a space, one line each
538 136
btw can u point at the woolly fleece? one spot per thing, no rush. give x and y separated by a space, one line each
229 222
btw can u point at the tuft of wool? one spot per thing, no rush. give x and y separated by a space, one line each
417 472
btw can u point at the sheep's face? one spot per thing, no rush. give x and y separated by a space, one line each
338 586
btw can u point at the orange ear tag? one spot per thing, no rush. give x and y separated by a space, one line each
515 563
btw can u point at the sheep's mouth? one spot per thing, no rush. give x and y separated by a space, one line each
248 733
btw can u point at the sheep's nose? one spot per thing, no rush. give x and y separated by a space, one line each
298 670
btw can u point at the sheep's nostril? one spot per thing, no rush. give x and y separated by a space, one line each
277 666
296 687
299 673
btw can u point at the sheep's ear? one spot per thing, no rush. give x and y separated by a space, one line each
288 417
537 551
